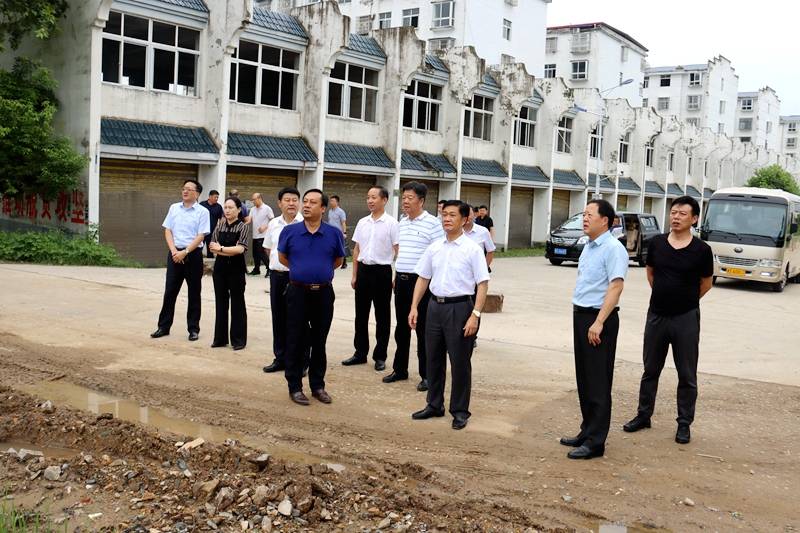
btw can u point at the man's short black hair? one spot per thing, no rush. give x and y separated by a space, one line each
288 190
441 202
196 185
213 192
475 208
463 208
381 191
335 197
420 189
483 207
322 194
687 200
604 209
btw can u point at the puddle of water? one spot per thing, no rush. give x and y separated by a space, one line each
47 450
65 393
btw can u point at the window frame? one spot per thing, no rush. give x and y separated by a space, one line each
748 122
411 17
551 45
695 79
550 68
595 142
663 100
742 106
624 149
791 127
693 102
383 19
525 127
440 21
261 66
507 27
665 78
649 154
723 105
671 161
791 143
347 87
645 82
428 101
486 121
579 76
564 135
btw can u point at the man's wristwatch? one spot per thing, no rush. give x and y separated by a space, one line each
476 313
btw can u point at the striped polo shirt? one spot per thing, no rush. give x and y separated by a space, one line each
415 237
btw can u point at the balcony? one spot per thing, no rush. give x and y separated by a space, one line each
581 43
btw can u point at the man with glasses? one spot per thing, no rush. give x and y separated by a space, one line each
185 228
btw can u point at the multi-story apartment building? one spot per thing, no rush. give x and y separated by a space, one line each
505 31
757 118
595 55
237 96
790 135
703 95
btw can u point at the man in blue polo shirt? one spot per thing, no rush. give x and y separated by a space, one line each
311 251
595 323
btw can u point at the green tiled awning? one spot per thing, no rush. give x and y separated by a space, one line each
693 192
151 136
482 167
651 187
605 183
424 162
436 64
673 189
627 184
365 45
355 154
707 193
529 173
275 21
266 147
567 177
197 5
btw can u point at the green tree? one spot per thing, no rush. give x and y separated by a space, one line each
21 17
33 159
774 177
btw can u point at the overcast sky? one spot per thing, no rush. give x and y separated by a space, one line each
761 38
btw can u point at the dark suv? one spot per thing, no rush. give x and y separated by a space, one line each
634 230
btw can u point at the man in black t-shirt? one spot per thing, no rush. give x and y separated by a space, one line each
214 213
483 219
679 270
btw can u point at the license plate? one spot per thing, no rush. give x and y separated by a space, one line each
735 271
560 251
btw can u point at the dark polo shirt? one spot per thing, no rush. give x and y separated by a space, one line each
311 255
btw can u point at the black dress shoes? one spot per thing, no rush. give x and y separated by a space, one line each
683 435
459 422
299 398
394 376
355 360
275 366
572 441
254 273
636 424
193 336
380 366
322 396
159 333
238 347
428 412
422 386
218 344
585 452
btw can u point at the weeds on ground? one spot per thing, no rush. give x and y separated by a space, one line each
536 251
14 520
57 247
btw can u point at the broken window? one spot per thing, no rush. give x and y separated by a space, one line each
478 117
264 75
421 105
353 92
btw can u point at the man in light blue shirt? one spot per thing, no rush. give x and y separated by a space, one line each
601 275
185 227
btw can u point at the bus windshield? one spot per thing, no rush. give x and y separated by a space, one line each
745 221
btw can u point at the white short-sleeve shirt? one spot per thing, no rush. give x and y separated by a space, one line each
481 237
260 216
376 239
272 237
453 267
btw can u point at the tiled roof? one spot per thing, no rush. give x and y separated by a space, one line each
265 147
489 81
155 136
482 167
567 177
527 173
354 154
605 183
673 189
435 63
627 184
273 20
424 162
191 4
653 188
694 193
707 193
366 45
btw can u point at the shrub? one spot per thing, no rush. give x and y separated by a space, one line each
57 247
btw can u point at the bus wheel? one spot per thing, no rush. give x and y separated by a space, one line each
778 287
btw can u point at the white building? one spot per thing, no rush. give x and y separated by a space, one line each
501 31
757 117
595 55
703 95
790 124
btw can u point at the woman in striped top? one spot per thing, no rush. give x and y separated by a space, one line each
229 244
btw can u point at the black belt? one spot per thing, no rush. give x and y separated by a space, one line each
193 251
364 265
310 286
450 299
405 277
279 272
589 310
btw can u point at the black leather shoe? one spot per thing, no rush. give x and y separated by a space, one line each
422 386
275 366
636 424
218 344
299 398
394 376
355 360
459 422
159 333
254 273
683 435
193 336
428 412
572 441
380 366
584 452
238 347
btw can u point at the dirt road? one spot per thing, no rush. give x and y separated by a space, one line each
89 327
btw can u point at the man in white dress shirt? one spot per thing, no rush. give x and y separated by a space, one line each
481 236
376 243
451 267
289 204
260 215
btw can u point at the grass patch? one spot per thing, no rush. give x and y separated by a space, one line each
536 251
59 248
13 520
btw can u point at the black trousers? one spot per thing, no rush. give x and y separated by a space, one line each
278 281
308 317
191 271
207 241
403 295
594 371
229 284
373 288
682 332
259 256
444 334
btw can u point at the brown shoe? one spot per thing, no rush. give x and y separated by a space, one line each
322 396
299 398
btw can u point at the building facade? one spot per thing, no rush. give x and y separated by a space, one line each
757 118
789 125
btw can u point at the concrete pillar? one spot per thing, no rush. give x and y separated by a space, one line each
459 154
